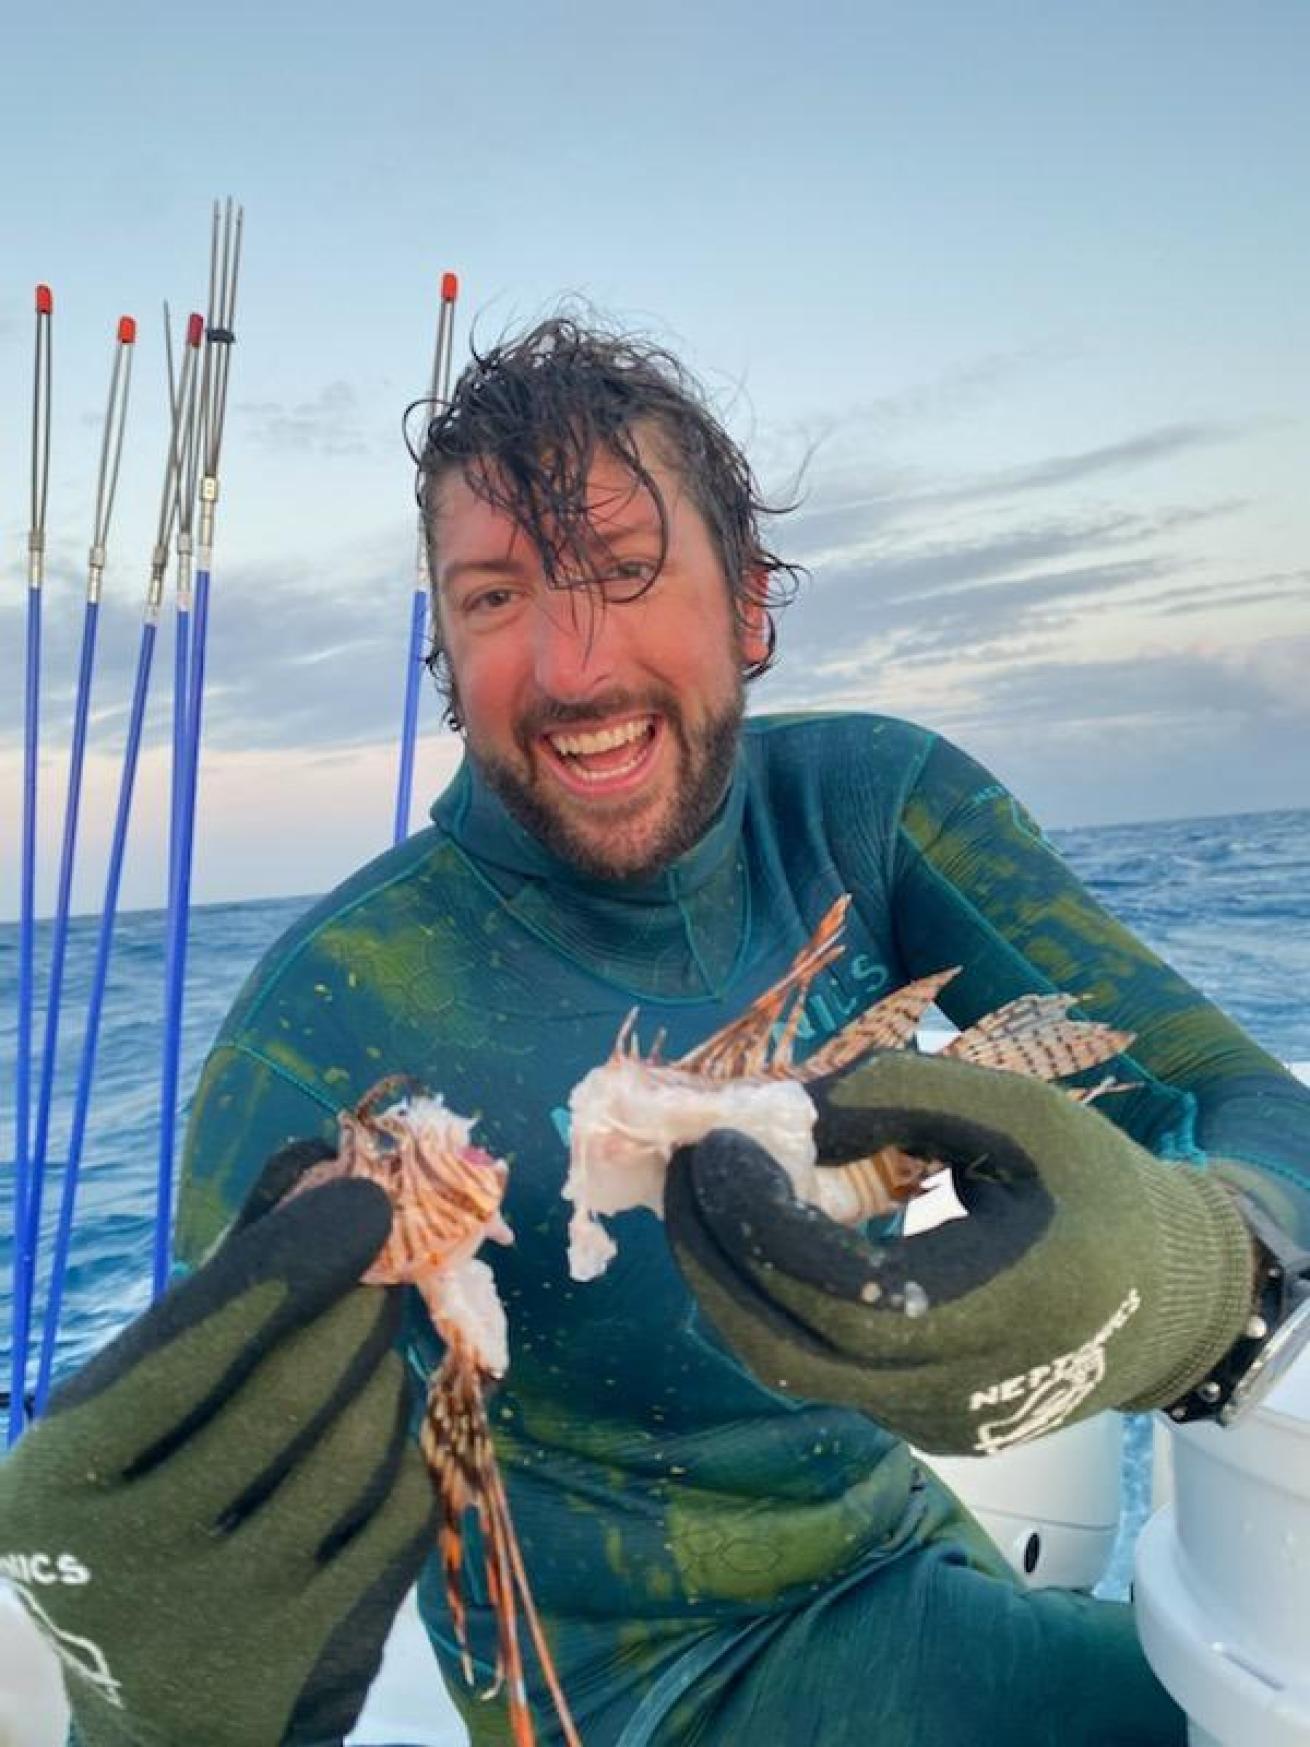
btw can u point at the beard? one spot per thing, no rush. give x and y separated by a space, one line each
638 838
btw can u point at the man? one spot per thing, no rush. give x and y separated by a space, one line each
721 1553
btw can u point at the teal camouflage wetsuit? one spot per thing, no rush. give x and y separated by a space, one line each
716 1562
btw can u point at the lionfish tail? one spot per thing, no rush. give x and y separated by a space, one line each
457 1445
453 1439
872 1187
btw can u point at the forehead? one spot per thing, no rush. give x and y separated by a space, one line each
614 501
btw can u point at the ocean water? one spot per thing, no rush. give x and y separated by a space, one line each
1226 900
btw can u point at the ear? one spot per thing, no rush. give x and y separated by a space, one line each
753 617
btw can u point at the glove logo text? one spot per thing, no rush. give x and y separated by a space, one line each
1048 1394
82 1657
43 1568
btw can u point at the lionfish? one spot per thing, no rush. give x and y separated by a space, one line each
446 1195
629 1115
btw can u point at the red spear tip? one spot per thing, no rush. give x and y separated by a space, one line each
127 330
449 287
195 330
45 300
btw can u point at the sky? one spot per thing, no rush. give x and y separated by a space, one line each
1012 299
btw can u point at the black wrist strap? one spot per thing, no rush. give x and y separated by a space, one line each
1276 1330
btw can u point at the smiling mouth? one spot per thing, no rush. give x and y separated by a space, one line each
613 756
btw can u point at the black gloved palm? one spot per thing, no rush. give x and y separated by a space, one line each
224 1501
1088 1274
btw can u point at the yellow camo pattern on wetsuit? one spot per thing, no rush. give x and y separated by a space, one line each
687 1531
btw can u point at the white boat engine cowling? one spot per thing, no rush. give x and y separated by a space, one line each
1223 1574
1051 1506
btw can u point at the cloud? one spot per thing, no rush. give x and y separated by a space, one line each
1168 732
292 660
307 664
1176 733
1287 588
833 529
923 590
960 388
876 423
956 623
1079 639
1157 689
1166 441
923 564
860 494
971 605
327 425
983 586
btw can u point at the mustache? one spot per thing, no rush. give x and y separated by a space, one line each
551 713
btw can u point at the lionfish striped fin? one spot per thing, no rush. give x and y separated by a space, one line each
454 1439
745 1047
1034 1036
888 1024
456 1442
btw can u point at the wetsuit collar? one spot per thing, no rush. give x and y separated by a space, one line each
475 817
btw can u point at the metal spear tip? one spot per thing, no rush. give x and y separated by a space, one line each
45 300
449 287
127 330
195 329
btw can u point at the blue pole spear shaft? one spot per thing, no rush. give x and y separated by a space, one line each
111 452
27 898
109 908
439 392
225 262
184 410
91 1038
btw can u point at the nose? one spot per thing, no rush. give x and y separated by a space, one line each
575 644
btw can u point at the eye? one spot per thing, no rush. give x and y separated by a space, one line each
627 578
487 601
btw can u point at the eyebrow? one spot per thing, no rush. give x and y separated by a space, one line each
627 530
463 568
466 567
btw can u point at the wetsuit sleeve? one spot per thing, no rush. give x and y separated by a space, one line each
976 884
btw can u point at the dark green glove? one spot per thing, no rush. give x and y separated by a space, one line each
220 1515
1088 1274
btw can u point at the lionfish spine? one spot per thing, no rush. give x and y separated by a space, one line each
496 1510
746 1046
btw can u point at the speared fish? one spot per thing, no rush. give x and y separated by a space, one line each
629 1115
446 1195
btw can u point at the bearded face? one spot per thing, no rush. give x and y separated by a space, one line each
604 714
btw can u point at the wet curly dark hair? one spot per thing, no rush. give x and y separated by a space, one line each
524 425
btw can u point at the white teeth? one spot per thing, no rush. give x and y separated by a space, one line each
601 739
600 776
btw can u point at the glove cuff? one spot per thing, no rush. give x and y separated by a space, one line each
1206 1281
